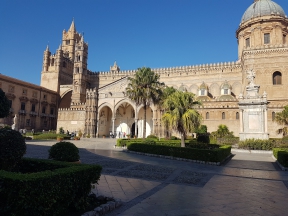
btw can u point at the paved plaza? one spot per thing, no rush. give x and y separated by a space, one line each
248 184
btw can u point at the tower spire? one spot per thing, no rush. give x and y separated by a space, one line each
72 27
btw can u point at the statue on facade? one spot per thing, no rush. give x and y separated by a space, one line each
15 122
251 77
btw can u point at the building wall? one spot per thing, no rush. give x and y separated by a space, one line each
24 98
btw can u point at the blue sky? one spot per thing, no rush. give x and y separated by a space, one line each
135 33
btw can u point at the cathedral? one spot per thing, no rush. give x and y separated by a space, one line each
95 102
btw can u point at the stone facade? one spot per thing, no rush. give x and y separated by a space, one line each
95 102
36 106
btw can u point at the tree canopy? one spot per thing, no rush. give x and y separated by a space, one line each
144 88
180 115
4 104
282 118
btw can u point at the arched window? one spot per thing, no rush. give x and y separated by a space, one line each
52 62
273 116
237 115
223 115
64 64
277 78
207 115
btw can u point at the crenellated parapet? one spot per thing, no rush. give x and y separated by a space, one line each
71 109
207 68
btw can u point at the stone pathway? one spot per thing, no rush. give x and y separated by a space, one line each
248 184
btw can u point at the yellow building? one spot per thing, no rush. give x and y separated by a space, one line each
35 106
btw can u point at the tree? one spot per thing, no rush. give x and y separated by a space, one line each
4 104
222 131
144 88
180 115
282 118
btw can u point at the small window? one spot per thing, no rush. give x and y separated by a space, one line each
45 123
277 78
43 110
27 122
22 106
34 94
64 64
33 108
52 62
247 42
24 92
266 38
284 39
52 111
202 92
67 42
223 115
45 96
225 91
237 115
273 116
207 115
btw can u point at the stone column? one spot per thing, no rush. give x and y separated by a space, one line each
136 126
265 119
97 128
241 120
113 126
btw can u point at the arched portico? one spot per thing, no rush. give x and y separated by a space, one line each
104 118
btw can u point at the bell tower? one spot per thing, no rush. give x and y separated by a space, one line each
80 71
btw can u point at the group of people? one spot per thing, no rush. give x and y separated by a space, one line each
118 134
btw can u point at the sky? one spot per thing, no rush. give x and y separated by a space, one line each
134 33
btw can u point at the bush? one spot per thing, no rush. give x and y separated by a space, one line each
173 138
43 187
149 142
257 144
61 130
12 148
47 136
214 155
281 154
203 138
64 151
152 137
228 140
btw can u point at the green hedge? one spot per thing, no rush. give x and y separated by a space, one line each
257 144
43 187
228 140
214 155
46 136
282 156
127 142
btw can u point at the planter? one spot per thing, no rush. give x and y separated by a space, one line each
60 139
104 136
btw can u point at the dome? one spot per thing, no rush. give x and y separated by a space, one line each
203 86
262 8
226 85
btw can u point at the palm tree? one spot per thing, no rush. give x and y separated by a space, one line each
180 114
144 88
282 118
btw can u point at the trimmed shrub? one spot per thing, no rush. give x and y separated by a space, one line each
149 142
46 188
214 155
257 144
203 138
48 136
174 138
64 151
152 137
281 154
12 148
228 140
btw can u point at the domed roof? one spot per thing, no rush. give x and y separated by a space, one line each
226 85
203 86
262 8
